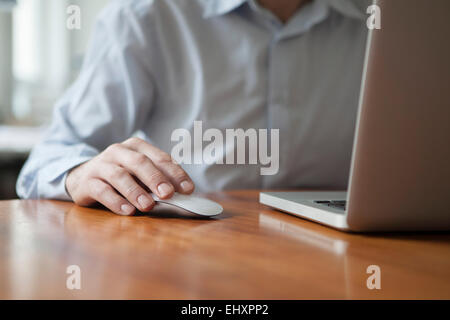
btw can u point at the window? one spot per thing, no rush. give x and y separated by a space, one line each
42 56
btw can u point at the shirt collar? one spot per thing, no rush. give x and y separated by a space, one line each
303 20
350 8
219 7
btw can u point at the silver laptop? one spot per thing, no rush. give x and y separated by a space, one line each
400 171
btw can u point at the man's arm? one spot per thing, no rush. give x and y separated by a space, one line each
110 100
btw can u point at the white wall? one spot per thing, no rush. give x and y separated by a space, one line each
5 64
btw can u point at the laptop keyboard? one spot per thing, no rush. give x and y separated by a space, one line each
337 204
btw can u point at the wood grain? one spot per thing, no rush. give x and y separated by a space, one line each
249 252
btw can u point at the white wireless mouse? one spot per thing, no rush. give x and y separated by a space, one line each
197 205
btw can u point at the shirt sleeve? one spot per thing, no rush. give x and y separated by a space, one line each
110 100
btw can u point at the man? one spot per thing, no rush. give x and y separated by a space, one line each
156 66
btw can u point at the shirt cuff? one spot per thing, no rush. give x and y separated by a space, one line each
55 187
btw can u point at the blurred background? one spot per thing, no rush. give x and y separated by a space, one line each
39 58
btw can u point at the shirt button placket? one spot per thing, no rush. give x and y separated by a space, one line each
276 104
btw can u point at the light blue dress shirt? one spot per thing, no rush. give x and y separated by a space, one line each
154 66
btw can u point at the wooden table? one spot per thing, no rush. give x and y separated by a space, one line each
249 252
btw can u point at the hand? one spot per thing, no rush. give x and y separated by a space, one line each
121 177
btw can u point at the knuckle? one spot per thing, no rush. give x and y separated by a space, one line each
112 148
163 157
139 159
100 191
155 177
180 177
178 173
131 190
133 141
117 173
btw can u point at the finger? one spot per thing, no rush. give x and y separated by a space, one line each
142 168
127 186
164 162
178 177
106 195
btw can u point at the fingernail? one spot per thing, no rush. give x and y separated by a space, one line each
164 189
127 209
186 185
144 201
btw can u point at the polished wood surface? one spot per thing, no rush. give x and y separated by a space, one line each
249 252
